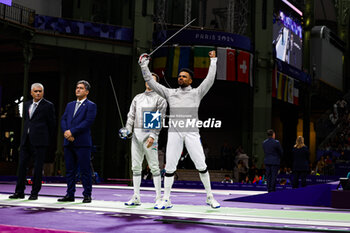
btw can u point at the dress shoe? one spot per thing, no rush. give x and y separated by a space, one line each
87 199
66 199
17 196
33 197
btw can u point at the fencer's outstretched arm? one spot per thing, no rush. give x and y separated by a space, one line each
209 80
147 76
161 107
131 117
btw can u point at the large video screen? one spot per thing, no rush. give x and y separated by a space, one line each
287 38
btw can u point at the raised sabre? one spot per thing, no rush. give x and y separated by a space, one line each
172 36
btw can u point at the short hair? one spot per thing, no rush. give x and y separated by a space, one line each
85 83
156 75
190 72
37 85
270 132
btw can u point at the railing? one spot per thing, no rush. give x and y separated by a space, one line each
17 13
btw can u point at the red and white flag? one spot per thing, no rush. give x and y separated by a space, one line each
296 93
226 66
243 67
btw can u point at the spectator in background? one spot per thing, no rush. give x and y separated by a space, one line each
333 117
284 181
252 172
273 154
242 171
257 179
301 160
227 179
239 150
247 180
320 166
240 155
328 166
328 160
285 171
313 170
341 106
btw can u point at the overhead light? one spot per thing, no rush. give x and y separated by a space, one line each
293 7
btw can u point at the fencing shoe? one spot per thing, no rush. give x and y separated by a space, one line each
165 204
158 203
135 200
212 202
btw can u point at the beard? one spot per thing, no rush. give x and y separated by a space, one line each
182 84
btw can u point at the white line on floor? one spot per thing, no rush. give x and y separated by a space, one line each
215 191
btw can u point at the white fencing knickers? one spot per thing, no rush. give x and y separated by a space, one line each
174 149
138 150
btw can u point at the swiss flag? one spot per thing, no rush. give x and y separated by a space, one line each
243 66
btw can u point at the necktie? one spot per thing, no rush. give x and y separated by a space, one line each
76 107
34 105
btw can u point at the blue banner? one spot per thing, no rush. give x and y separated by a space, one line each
293 72
82 28
202 37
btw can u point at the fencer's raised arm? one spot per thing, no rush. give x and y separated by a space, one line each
147 76
131 117
209 80
161 107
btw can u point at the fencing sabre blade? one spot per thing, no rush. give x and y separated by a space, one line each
165 79
145 55
116 100
172 36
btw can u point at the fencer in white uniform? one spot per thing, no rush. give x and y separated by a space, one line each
144 141
184 102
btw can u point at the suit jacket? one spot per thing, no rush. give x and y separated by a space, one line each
301 159
80 124
41 126
273 152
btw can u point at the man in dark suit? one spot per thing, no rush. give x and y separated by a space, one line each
273 154
75 124
39 126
